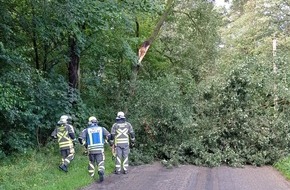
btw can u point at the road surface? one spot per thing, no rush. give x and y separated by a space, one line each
188 177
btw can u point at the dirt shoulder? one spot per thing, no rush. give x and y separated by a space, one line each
188 177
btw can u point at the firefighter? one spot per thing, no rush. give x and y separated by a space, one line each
94 137
122 137
65 135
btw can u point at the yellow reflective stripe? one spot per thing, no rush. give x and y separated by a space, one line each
67 143
63 139
61 134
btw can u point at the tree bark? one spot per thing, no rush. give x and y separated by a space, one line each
73 67
34 40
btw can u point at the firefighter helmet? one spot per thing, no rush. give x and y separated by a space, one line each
120 115
93 119
63 119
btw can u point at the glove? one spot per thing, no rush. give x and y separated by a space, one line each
111 143
80 140
74 142
132 145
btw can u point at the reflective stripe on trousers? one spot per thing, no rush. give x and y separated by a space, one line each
96 159
122 158
67 156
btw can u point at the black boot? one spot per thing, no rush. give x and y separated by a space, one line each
63 167
101 176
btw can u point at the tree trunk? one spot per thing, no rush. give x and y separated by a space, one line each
275 68
34 40
146 44
74 65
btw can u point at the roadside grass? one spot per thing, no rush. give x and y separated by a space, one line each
39 170
283 166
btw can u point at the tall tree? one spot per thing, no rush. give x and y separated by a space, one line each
148 41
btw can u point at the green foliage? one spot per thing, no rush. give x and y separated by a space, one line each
30 107
164 117
190 37
138 157
236 118
229 120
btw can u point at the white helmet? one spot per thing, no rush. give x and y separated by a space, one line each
120 115
93 119
63 119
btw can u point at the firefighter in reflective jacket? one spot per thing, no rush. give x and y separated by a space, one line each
94 137
65 135
122 136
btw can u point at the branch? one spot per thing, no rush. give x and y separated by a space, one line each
146 44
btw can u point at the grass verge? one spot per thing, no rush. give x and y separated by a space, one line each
39 170
283 166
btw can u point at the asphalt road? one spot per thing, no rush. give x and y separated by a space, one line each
156 177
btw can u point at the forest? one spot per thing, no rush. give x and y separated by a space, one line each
201 84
